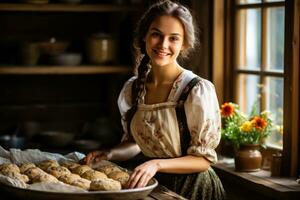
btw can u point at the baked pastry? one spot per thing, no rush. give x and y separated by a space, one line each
70 165
58 171
15 175
81 169
47 178
69 178
93 175
105 184
47 163
9 167
120 176
82 183
26 166
107 169
34 172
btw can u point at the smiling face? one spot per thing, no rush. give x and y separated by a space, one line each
164 40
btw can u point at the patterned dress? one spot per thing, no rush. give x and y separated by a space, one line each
154 127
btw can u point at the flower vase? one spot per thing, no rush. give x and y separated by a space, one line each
248 158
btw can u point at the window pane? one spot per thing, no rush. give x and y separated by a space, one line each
248 39
275 38
248 91
247 1
274 97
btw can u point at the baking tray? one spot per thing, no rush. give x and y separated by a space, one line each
128 194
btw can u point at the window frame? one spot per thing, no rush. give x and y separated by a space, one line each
223 73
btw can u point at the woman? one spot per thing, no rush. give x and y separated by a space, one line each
178 142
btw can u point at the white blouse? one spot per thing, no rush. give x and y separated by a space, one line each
155 128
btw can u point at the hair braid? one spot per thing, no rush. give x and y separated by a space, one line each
143 71
138 88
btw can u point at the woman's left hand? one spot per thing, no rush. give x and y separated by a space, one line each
142 174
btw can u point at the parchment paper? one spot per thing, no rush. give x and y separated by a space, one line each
35 156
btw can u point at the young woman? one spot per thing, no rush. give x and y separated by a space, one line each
177 135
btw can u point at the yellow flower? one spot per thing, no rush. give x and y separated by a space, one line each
246 126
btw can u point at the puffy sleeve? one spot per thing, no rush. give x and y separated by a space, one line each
204 121
124 104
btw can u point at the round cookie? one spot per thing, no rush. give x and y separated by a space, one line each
105 184
69 178
70 165
26 166
120 176
82 183
93 175
81 169
47 163
9 167
107 169
58 171
16 175
34 172
46 178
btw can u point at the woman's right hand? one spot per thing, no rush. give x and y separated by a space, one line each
96 156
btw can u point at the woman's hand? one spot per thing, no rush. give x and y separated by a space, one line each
142 174
96 156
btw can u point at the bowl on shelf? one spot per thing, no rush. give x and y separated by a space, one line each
71 59
53 47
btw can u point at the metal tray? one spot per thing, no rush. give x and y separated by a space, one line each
20 193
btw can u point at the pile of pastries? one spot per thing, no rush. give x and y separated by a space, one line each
105 178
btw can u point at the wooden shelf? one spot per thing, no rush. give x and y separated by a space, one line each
83 69
13 7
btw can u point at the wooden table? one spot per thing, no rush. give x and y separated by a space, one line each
163 193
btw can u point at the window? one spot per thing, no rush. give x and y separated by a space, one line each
258 60
255 56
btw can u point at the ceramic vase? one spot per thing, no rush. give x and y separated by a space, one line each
248 158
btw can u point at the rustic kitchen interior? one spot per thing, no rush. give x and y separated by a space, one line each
64 62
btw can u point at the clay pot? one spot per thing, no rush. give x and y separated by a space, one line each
248 158
101 49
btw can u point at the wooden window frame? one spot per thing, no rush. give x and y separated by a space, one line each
223 73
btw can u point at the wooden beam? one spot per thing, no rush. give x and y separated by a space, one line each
291 88
218 64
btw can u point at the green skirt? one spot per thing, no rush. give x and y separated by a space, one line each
198 186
